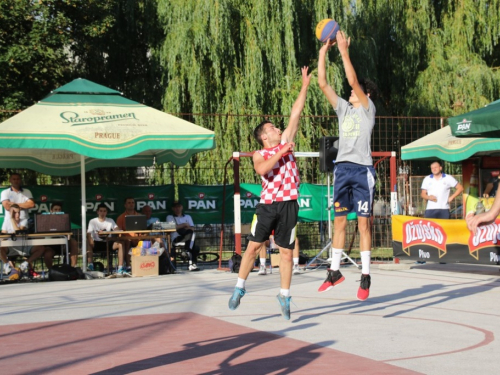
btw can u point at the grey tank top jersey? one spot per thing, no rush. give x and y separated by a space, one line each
355 131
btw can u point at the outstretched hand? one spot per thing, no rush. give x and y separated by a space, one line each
342 41
306 79
287 148
327 45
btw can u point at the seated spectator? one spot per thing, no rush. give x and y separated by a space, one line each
184 227
97 240
13 224
73 245
129 204
148 212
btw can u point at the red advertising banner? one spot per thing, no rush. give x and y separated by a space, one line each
444 240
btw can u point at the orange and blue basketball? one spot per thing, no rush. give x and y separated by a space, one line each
327 29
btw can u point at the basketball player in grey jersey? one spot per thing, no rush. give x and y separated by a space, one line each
354 175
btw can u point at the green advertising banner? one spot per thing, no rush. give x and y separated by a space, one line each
204 203
249 199
160 199
313 203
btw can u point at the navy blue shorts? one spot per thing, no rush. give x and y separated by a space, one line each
279 216
353 189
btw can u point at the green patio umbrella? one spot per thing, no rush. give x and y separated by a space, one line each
441 144
484 122
84 118
83 125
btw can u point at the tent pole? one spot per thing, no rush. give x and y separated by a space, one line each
84 213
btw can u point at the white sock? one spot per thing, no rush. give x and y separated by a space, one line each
366 258
336 258
240 283
263 262
295 261
285 292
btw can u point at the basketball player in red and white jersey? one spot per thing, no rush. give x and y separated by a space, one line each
278 208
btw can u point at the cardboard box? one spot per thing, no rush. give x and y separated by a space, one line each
275 260
145 265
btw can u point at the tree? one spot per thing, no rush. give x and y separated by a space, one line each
45 44
32 56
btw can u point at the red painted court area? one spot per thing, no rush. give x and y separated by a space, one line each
185 343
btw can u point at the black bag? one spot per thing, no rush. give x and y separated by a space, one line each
235 263
63 272
303 259
164 265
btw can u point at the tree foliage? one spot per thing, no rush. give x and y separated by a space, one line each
32 55
46 44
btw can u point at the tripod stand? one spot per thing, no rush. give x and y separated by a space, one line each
329 244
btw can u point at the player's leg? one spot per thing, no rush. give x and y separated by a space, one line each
363 193
284 237
246 266
262 224
343 205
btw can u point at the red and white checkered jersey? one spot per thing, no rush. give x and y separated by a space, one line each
282 182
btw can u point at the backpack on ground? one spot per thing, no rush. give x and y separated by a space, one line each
235 263
63 272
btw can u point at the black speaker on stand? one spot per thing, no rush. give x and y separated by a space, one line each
328 149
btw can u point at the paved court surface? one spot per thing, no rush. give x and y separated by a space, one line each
428 319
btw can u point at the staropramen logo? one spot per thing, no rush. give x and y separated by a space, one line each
94 116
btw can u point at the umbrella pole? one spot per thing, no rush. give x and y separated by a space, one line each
84 212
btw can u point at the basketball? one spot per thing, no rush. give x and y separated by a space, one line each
327 29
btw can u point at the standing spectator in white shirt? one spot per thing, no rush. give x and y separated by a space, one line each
436 191
16 194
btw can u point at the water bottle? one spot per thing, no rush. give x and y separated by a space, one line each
480 208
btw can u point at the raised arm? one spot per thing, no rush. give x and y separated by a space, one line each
329 92
293 124
343 45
